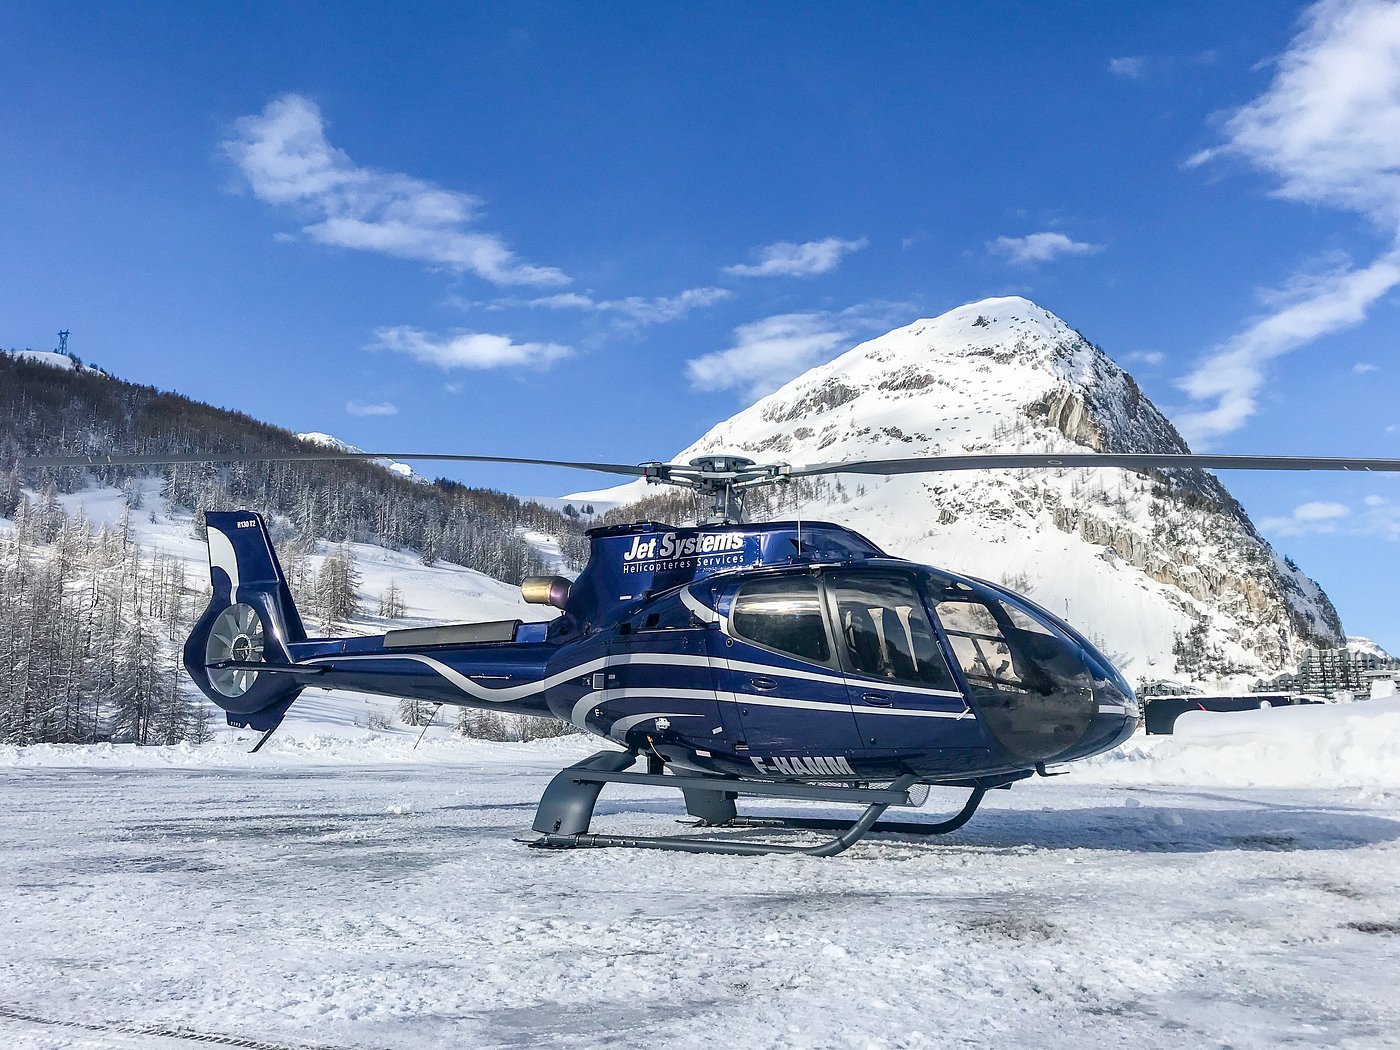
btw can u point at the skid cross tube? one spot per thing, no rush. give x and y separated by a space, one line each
894 827
566 809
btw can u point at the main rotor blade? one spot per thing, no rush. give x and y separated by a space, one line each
629 469
1124 460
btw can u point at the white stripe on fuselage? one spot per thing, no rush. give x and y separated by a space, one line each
509 694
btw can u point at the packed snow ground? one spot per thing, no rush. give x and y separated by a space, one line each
342 889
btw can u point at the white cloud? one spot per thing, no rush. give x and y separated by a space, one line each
1146 357
769 352
1131 67
1319 516
284 154
1320 510
1233 375
1328 128
561 301
1139 67
1041 247
786 259
1329 125
475 350
632 310
1394 428
1362 368
1379 517
378 408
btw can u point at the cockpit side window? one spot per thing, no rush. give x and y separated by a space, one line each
886 631
783 613
979 644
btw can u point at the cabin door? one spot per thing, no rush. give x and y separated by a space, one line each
783 679
904 697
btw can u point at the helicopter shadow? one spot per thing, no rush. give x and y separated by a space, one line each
1182 829
1266 826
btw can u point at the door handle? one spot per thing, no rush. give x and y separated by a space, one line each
877 698
763 684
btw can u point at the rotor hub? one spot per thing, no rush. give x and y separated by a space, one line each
721 464
722 479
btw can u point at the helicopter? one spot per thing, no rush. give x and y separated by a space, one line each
782 659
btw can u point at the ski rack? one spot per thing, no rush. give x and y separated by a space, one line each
566 809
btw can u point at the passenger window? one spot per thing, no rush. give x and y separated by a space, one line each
783 613
886 630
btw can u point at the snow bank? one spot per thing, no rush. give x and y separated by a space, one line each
1333 746
287 752
1343 746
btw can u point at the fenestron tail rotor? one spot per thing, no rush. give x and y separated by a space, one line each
237 637
724 479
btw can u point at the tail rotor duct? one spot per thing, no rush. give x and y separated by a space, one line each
237 636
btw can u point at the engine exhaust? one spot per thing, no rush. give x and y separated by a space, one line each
546 590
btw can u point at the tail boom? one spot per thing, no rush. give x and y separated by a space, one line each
250 655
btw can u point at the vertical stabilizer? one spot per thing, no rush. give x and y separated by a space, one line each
248 625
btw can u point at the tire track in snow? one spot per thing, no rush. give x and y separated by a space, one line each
160 1031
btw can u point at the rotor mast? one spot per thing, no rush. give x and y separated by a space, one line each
723 480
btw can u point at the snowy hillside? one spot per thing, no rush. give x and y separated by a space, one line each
315 437
440 593
1138 562
44 357
1357 644
52 359
430 595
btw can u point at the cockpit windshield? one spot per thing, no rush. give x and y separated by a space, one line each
1028 679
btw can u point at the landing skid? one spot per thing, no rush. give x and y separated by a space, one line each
566 809
880 827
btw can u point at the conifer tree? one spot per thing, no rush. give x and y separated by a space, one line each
391 604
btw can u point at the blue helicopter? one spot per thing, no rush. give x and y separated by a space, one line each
783 659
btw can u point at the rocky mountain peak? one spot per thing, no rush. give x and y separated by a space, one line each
1164 568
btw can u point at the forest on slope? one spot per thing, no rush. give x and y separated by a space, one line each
80 412
91 623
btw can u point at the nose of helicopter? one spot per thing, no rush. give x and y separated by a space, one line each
1045 693
1065 717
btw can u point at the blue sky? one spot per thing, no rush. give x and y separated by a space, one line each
536 229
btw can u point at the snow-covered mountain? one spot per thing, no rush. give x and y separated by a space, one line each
1150 566
1358 644
53 359
315 437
